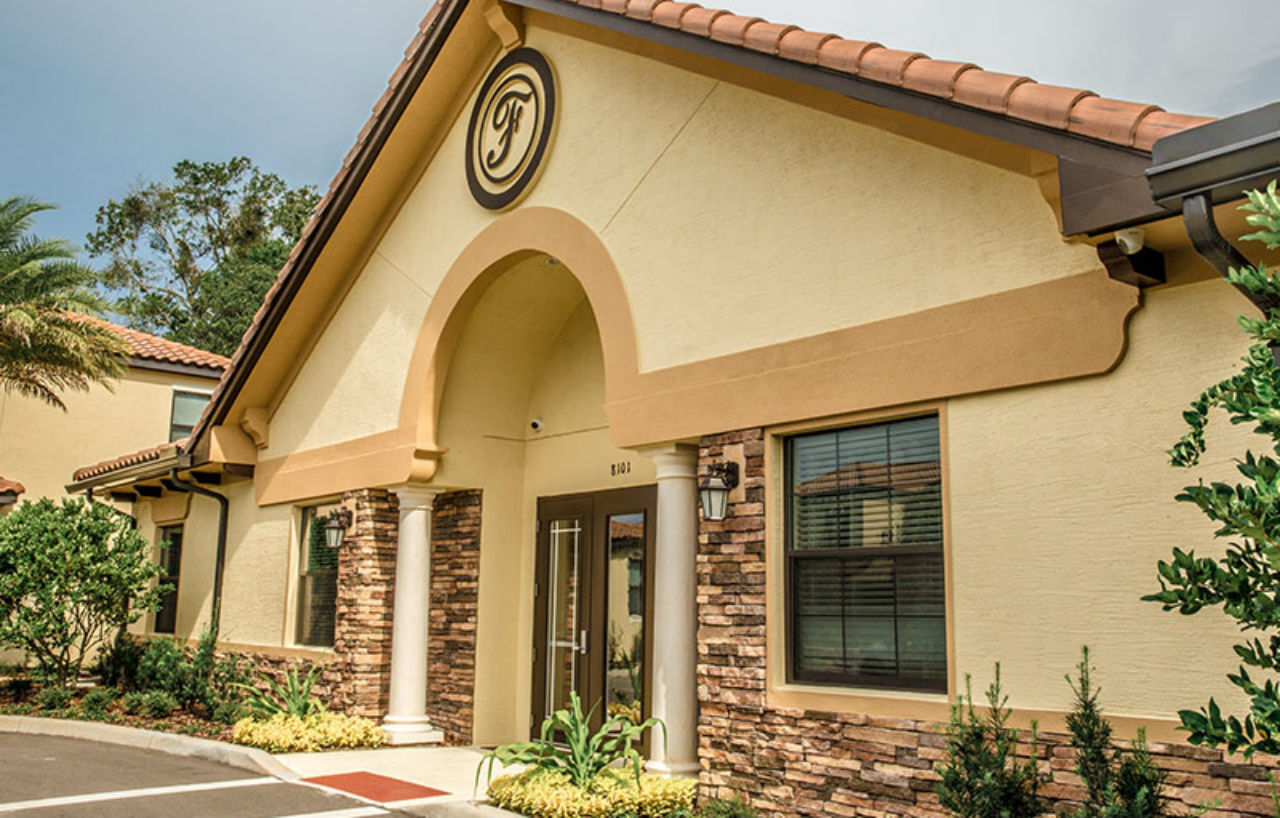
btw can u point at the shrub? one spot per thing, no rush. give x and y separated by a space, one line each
19 689
1120 785
164 667
293 698
117 664
578 753
735 807
541 793
1244 579
229 712
54 697
159 704
70 574
95 703
324 730
134 703
982 776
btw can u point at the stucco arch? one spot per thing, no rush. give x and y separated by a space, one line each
510 238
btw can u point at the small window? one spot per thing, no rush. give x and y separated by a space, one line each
187 407
864 550
170 543
635 586
317 580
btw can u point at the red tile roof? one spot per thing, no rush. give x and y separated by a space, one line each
1069 109
11 487
154 348
144 456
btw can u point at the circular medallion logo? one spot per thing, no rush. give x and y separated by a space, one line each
511 126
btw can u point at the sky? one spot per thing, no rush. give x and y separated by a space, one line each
99 95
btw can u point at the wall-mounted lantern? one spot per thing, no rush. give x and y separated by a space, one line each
335 528
714 490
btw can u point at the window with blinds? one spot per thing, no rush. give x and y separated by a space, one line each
317 581
866 603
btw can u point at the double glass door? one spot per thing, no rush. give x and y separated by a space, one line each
592 595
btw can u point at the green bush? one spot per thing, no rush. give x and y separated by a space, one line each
324 730
230 712
164 666
54 697
159 704
95 703
543 793
735 807
117 664
134 703
19 689
982 776
70 575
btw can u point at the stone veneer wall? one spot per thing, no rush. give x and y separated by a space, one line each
801 762
455 586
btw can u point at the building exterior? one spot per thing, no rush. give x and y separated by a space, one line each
586 254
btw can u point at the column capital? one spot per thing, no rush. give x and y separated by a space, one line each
674 461
415 495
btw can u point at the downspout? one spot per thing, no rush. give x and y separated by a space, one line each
224 505
1197 214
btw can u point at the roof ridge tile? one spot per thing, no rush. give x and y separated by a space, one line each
732 28
669 13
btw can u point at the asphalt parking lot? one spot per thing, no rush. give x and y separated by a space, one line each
55 777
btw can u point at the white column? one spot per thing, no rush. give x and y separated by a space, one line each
675 613
406 721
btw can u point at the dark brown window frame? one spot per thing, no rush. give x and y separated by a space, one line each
169 604
791 556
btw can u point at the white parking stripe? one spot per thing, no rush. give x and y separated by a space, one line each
116 795
355 812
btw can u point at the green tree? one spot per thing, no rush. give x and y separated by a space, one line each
1245 580
1120 785
982 776
192 258
70 575
46 346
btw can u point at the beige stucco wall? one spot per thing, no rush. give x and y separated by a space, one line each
1062 503
41 446
704 192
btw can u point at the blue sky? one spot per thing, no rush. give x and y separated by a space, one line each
100 94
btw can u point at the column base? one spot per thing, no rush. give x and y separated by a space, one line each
673 769
403 730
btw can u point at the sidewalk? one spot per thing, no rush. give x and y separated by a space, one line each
431 781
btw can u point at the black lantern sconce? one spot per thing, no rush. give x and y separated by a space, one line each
714 490
335 528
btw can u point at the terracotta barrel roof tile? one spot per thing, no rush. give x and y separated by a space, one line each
670 14
887 64
1109 119
699 21
641 9
936 77
1162 123
1046 104
802 46
153 348
732 28
987 90
11 487
133 459
615 6
765 36
844 55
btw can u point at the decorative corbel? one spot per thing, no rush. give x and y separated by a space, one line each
256 425
506 22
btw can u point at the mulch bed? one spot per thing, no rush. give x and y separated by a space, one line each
180 722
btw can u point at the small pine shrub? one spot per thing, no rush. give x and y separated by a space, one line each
95 703
735 807
134 703
164 666
54 697
325 730
229 712
117 664
982 776
159 704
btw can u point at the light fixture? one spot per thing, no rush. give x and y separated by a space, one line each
714 490
335 528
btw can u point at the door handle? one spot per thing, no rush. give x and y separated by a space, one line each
582 642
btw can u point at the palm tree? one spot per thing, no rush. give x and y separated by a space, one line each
46 346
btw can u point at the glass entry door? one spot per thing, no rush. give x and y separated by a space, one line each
591 595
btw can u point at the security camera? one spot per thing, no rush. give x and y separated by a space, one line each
536 424
1130 240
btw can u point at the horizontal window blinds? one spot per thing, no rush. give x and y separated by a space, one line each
864 556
